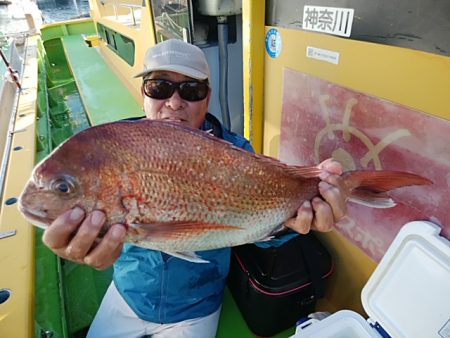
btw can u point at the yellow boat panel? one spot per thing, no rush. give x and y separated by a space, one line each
409 77
17 251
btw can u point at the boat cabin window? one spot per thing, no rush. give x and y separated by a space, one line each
120 44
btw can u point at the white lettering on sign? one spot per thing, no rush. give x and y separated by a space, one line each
332 20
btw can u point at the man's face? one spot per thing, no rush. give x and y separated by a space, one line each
175 108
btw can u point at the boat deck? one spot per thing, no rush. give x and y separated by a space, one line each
104 96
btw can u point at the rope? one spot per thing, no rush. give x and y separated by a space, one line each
12 72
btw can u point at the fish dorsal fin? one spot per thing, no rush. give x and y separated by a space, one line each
309 171
298 171
304 172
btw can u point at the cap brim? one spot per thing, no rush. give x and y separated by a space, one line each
143 73
177 69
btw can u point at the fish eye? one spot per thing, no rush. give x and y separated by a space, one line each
63 186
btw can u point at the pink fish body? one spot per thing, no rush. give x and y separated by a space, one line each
179 189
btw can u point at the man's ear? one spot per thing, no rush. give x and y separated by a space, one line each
209 96
142 90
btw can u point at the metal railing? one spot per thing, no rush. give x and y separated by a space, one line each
115 5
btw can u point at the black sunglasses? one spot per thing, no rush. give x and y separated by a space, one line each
163 89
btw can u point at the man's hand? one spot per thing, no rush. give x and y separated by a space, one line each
73 236
323 213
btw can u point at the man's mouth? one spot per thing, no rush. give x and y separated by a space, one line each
174 119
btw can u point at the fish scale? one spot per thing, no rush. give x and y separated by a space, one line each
179 189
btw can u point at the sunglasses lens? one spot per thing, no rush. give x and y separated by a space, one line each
163 89
158 89
193 90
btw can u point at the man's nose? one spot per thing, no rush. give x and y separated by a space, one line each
175 102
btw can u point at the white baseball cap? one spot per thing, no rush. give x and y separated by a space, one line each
176 56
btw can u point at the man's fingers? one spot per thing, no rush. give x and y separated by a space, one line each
324 219
337 181
335 193
85 238
108 250
332 167
75 236
302 223
60 232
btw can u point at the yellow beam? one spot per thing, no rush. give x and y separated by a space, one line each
253 68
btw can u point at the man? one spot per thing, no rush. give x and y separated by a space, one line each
153 293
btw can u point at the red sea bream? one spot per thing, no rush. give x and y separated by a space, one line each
181 190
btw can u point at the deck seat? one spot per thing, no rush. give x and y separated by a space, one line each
104 95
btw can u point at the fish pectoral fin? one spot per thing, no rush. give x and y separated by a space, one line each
178 229
188 256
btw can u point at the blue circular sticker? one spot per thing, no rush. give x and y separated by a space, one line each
273 43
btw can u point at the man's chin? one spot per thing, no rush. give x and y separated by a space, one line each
178 121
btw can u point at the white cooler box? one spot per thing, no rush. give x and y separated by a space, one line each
407 296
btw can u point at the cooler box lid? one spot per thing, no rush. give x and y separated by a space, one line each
409 292
341 324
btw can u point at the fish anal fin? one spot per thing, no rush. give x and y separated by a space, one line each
379 200
178 229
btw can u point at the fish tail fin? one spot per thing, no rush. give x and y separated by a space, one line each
370 188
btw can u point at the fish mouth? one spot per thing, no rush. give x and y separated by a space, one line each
36 217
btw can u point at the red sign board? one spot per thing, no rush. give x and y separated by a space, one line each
322 120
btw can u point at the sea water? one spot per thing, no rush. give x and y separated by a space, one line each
59 10
12 17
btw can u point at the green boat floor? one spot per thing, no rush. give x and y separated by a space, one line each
104 96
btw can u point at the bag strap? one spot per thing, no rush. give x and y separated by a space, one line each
308 250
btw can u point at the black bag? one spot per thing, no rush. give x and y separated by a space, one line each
275 286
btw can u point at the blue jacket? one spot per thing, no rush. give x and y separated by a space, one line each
165 289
